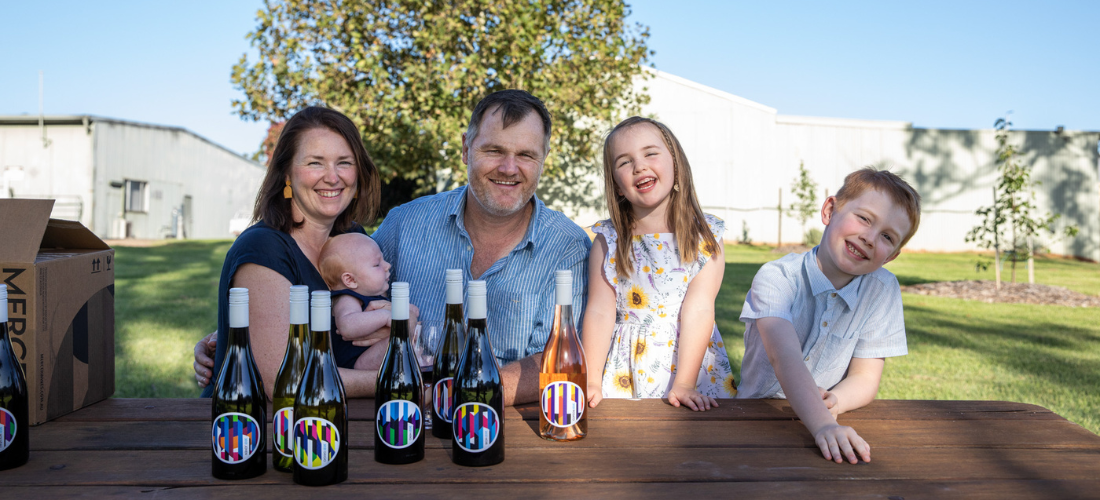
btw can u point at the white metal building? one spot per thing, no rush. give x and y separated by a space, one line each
127 179
742 153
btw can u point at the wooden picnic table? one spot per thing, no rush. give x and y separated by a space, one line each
749 448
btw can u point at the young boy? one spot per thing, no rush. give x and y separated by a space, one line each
353 267
818 325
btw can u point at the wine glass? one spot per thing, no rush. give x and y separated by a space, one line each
424 347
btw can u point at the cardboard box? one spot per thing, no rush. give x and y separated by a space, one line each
61 307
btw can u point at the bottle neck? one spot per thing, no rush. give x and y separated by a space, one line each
319 341
238 336
399 329
566 313
453 312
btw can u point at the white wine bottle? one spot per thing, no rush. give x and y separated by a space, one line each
239 406
399 420
446 360
288 379
321 408
15 447
478 425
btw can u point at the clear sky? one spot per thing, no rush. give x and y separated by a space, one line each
957 64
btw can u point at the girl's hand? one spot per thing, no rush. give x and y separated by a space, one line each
595 394
691 398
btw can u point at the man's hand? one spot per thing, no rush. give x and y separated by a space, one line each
204 359
691 398
838 442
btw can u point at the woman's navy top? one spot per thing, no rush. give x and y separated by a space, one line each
266 246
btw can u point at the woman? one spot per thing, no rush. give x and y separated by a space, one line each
320 182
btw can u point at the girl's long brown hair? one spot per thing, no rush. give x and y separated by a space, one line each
685 217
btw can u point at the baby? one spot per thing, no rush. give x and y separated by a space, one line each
354 269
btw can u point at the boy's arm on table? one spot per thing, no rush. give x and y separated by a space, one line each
860 387
599 321
785 355
696 327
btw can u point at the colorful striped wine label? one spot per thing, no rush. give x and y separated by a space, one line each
316 442
236 437
282 426
443 400
7 429
476 427
399 423
562 403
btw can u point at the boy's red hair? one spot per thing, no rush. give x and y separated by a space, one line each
902 194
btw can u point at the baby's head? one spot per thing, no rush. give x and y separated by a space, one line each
872 216
354 261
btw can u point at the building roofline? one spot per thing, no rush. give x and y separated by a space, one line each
710 90
842 122
88 119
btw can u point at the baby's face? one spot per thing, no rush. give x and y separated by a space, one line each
370 270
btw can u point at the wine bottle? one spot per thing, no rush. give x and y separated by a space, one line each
563 381
239 407
446 360
321 408
15 447
478 423
399 421
286 382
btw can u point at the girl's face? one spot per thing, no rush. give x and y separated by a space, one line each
642 166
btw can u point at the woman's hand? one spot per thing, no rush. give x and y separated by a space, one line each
204 359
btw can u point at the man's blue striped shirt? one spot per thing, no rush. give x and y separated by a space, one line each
425 237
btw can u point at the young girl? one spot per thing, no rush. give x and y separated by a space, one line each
658 264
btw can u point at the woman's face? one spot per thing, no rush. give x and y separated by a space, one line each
322 176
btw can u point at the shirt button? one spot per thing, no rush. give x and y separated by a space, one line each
468 248
807 358
833 295
824 323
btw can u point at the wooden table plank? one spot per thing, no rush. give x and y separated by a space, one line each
1014 434
646 410
884 490
192 467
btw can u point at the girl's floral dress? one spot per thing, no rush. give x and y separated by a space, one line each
642 360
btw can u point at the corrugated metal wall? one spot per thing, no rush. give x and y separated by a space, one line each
742 153
175 164
60 170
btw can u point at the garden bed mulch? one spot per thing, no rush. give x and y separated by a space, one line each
1020 293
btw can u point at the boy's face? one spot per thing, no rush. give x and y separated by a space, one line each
860 236
370 272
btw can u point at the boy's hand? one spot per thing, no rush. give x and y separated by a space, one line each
830 400
838 442
691 398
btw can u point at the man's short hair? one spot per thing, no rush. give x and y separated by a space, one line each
899 191
514 106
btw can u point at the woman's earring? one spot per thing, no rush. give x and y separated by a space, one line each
287 193
675 187
355 195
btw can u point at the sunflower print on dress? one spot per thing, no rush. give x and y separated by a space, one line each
641 360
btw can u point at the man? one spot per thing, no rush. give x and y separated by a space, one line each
494 229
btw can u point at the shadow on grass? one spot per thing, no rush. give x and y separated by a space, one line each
1039 347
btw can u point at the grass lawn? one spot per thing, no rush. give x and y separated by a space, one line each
1045 355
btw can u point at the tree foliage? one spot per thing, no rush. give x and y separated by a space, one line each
805 206
1014 217
409 73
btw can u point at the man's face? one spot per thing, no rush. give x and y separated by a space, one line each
504 165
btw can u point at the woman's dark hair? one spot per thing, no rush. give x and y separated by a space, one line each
272 208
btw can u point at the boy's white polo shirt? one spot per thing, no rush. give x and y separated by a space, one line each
862 320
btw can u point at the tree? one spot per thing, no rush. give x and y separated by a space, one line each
1013 211
805 192
409 73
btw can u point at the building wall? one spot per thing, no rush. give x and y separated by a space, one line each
743 153
62 170
175 164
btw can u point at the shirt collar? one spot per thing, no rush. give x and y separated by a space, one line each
458 207
820 284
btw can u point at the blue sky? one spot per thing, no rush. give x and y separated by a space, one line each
957 64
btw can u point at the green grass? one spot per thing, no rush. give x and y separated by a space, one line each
1045 355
